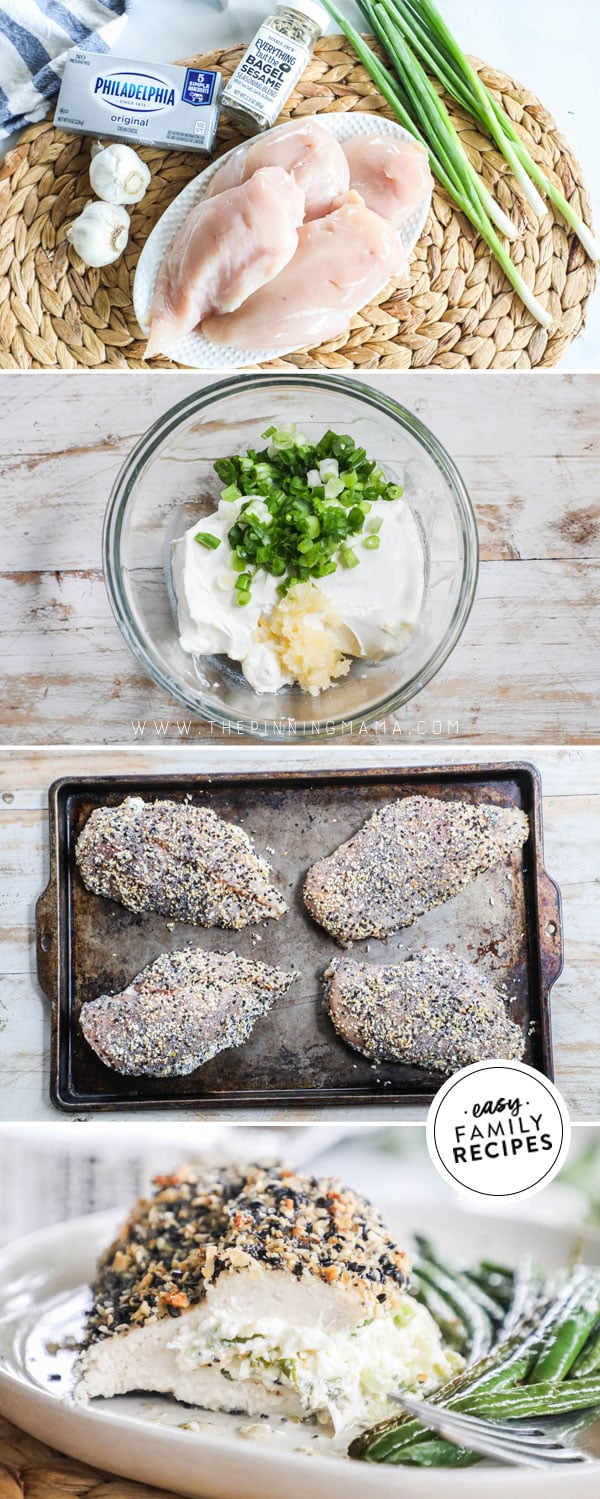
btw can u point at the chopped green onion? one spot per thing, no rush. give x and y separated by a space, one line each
375 524
371 543
288 525
207 539
243 596
231 493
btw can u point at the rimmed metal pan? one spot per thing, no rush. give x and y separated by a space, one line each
508 922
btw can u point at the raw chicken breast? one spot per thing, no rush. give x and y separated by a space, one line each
180 1012
303 148
227 248
410 856
179 860
392 176
342 261
434 1010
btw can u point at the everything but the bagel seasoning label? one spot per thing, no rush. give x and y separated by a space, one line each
268 72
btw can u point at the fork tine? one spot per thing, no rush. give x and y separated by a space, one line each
521 1456
528 1446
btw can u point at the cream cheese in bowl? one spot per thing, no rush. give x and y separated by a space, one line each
401 628
376 603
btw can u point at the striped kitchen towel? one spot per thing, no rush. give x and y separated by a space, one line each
35 37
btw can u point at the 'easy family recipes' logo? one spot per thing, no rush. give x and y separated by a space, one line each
498 1130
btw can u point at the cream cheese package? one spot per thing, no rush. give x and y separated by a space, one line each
147 103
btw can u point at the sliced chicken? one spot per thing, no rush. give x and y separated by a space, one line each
410 856
260 1291
225 250
434 1010
180 1011
392 176
303 148
342 262
176 859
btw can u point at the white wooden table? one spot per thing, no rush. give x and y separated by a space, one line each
571 785
525 668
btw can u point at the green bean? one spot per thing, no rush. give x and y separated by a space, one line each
451 1326
588 1360
560 1350
500 1291
543 1399
435 1453
469 1282
478 1323
507 1363
525 1290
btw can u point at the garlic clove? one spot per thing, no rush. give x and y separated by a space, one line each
118 174
100 233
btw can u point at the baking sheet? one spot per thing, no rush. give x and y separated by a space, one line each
507 922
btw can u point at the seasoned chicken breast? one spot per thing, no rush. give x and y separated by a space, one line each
392 176
410 856
260 1291
305 149
434 1010
180 1012
342 261
178 860
225 250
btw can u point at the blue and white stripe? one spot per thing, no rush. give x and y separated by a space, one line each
35 37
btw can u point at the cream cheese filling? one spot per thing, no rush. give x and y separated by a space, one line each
341 1377
377 603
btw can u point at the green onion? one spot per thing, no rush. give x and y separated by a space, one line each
371 543
243 596
428 34
306 529
421 111
206 539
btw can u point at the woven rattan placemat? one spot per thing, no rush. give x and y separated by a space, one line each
30 1470
458 312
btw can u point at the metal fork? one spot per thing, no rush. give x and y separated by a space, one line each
515 1442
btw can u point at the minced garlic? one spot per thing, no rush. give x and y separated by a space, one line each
304 631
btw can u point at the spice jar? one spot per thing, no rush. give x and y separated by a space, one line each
272 64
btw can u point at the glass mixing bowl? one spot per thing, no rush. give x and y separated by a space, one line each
168 484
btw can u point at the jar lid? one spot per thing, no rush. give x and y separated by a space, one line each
310 8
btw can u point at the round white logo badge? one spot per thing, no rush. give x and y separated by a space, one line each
498 1130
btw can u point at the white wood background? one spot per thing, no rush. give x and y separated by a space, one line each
571 786
527 664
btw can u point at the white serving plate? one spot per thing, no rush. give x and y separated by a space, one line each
196 351
43 1281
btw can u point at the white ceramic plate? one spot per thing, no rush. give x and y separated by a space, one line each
196 351
43 1281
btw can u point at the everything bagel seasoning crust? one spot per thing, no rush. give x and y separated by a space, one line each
179 860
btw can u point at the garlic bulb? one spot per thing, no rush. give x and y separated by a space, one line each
100 233
118 174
